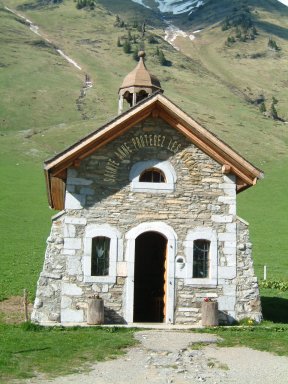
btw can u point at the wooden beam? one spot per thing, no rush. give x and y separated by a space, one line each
226 169
98 142
58 187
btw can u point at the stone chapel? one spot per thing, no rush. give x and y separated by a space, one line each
147 219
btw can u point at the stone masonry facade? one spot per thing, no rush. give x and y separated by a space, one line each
99 195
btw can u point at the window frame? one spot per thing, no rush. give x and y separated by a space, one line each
153 171
202 233
163 187
92 231
95 262
205 253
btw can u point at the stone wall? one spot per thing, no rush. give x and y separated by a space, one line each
99 192
248 304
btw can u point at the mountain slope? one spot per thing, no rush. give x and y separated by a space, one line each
184 6
44 107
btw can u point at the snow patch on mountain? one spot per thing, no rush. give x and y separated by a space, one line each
180 6
173 6
141 3
172 33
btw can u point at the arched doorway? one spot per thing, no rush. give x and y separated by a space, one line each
150 277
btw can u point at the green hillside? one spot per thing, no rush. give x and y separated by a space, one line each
43 108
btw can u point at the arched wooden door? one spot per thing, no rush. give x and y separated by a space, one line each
150 278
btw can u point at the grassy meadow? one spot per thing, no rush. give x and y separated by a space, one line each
42 112
39 116
28 349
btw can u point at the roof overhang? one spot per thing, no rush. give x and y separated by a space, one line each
157 106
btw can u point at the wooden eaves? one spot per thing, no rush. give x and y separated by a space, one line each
157 106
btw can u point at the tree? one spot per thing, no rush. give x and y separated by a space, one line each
262 107
127 46
273 45
152 39
119 42
162 58
135 53
273 110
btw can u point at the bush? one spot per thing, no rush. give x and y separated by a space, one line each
152 40
85 3
273 45
275 284
118 22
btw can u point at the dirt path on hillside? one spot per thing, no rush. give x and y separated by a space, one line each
165 357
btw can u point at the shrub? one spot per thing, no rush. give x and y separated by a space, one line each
152 40
275 284
273 45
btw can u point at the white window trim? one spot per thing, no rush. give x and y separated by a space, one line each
164 166
95 230
202 233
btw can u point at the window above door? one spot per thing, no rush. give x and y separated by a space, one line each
152 176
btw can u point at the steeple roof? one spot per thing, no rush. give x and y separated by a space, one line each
140 77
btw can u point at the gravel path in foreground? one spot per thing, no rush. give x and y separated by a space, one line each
164 357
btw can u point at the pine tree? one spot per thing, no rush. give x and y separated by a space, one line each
273 45
135 53
273 110
262 108
127 46
162 59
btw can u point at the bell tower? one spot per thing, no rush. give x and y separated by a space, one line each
138 85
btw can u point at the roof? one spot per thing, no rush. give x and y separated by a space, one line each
157 105
140 76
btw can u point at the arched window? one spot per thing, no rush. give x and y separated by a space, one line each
100 256
201 250
152 175
141 95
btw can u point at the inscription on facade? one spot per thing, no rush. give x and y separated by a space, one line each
135 144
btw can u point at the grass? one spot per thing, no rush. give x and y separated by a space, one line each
39 116
30 75
264 207
28 349
38 94
23 233
39 90
266 337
